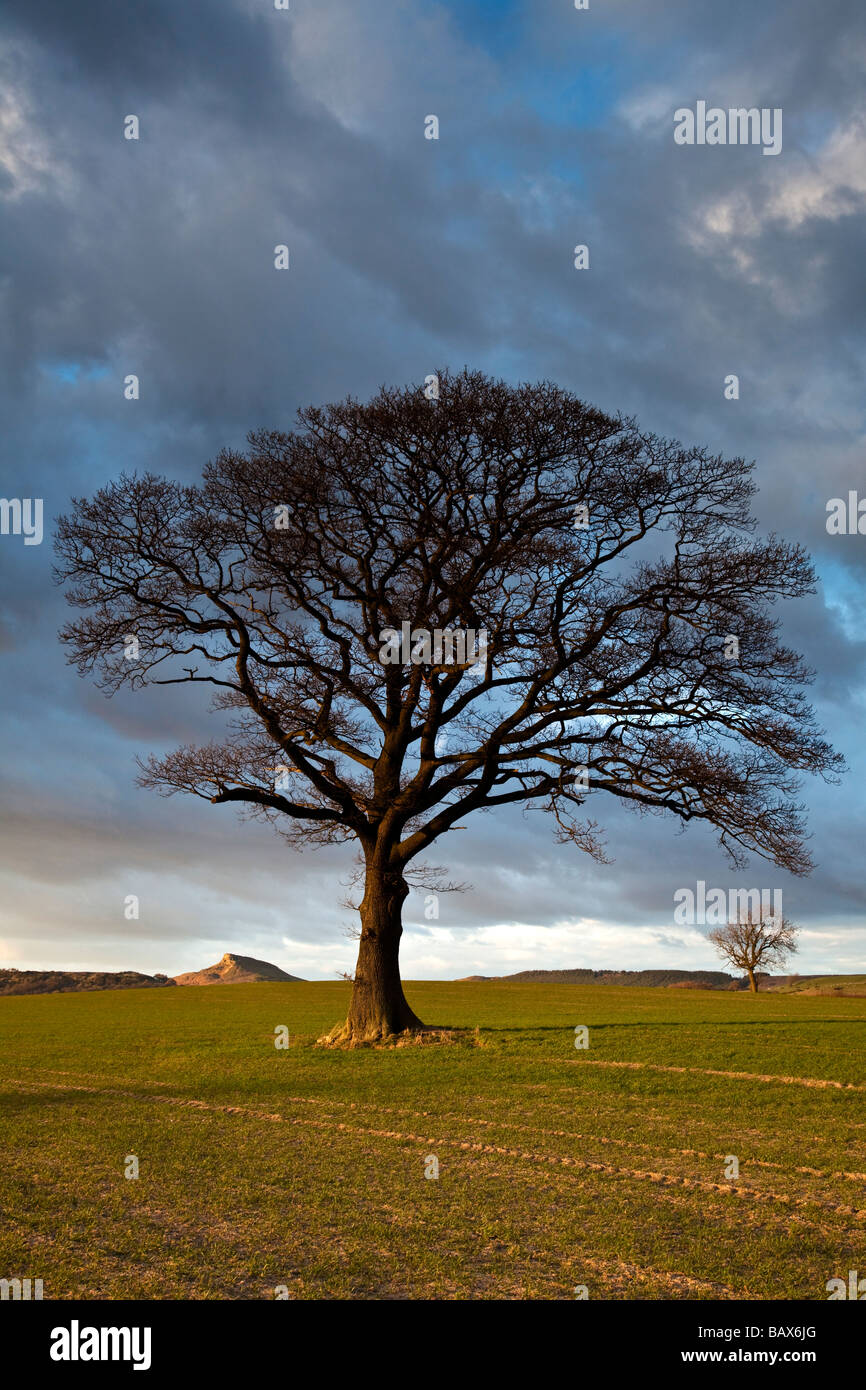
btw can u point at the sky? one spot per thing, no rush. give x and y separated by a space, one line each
305 127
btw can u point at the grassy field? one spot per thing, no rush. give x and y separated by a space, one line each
305 1168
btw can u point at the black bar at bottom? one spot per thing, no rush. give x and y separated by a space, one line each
442 1339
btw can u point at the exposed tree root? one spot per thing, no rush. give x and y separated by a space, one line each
345 1035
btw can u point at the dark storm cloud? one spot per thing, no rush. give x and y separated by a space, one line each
156 257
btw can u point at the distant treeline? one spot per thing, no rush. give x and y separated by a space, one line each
76 981
698 979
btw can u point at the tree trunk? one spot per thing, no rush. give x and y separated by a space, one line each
753 984
378 1008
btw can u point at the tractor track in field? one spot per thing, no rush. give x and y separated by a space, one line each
677 1283
746 1136
472 1120
820 1083
468 1146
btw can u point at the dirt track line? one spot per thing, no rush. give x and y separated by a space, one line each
581 1165
90 1075
760 1217
679 1282
815 1081
516 1128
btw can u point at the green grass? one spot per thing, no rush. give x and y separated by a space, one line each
305 1167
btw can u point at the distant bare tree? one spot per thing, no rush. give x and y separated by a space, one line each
508 510
760 941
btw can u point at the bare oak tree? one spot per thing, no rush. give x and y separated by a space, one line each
759 941
609 568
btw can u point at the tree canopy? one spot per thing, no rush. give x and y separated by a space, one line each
629 645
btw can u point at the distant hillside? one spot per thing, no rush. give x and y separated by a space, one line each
236 970
76 981
853 986
700 979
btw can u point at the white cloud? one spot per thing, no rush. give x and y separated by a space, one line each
24 153
823 187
